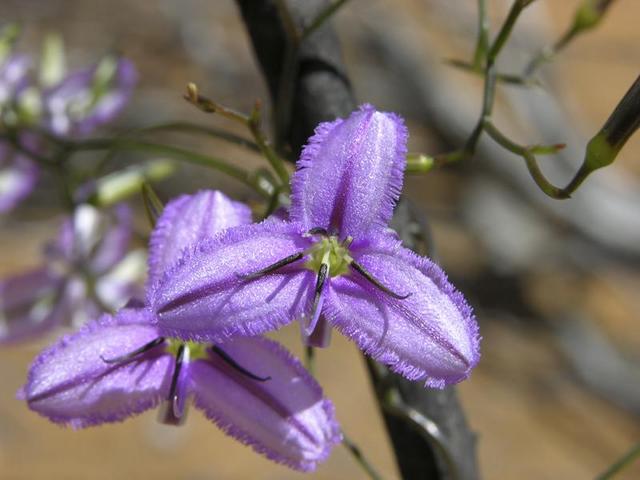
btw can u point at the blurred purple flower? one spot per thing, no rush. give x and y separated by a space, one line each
89 98
120 366
13 77
335 263
18 173
77 105
87 270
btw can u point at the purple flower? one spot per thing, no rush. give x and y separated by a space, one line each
335 263
89 98
88 270
120 365
13 77
18 173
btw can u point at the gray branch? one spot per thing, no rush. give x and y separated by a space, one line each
428 430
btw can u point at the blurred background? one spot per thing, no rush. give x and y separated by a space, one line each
554 283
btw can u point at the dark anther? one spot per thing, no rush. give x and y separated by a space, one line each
318 231
322 277
174 395
360 269
235 365
272 268
139 351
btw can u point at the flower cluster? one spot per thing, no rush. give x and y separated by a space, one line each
88 269
63 105
121 365
217 282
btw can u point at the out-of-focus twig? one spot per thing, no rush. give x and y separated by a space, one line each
588 15
618 466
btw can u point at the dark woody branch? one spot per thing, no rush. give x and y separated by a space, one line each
428 429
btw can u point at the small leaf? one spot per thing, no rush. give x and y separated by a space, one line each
52 63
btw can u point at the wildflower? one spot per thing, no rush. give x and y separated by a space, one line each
120 365
75 105
335 263
88 270
18 173
89 98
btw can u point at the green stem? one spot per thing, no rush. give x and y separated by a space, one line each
482 42
359 457
507 27
252 122
267 151
323 16
186 127
529 158
623 462
170 151
310 360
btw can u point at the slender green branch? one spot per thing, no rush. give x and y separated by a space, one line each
322 17
529 158
359 457
507 78
623 462
588 15
252 122
482 42
310 359
185 127
507 27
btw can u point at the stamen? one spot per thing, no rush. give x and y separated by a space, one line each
322 277
317 297
235 365
272 268
174 394
361 270
139 351
346 243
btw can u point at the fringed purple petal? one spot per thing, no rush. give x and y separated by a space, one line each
350 173
114 239
286 418
29 304
432 335
207 297
70 106
18 176
71 384
190 219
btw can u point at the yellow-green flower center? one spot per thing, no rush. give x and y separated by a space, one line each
332 252
196 350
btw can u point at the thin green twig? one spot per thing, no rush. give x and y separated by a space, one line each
310 360
622 463
252 122
482 42
186 127
359 457
588 14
